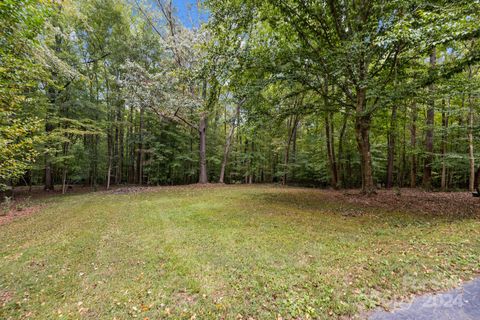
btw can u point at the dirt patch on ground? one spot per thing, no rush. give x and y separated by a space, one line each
352 203
139 189
413 200
128 190
17 213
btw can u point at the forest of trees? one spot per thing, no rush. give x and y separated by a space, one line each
346 94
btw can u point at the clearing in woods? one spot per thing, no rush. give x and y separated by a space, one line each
233 252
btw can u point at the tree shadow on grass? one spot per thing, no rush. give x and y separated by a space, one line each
412 205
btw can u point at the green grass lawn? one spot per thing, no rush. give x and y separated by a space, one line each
224 252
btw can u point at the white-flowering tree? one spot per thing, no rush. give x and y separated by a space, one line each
180 88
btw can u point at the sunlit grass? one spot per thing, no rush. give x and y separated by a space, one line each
259 252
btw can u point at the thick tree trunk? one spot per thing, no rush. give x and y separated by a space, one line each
391 147
228 142
427 168
202 129
362 134
413 144
49 186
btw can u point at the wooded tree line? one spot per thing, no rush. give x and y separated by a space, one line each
325 93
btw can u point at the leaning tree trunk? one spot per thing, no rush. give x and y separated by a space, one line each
293 156
427 168
228 142
202 130
226 151
362 132
291 134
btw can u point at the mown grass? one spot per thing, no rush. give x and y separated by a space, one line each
224 252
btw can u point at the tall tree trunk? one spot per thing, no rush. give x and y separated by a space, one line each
30 180
95 162
362 135
246 162
202 129
250 176
48 175
64 180
52 94
120 173
413 144
471 154
293 122
140 149
293 157
477 181
427 168
116 152
331 149
130 149
110 154
391 147
329 137
228 142
444 145
401 175
64 171
341 169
